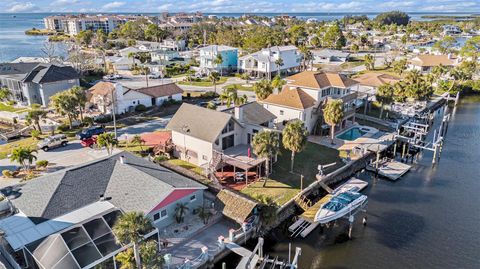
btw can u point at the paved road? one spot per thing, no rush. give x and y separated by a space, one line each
145 127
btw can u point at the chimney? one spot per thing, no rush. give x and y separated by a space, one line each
239 113
123 160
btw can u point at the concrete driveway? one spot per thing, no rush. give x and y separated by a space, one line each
145 127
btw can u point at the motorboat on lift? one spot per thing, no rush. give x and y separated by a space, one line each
342 203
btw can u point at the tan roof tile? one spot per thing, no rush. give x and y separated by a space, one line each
432 60
319 80
291 97
376 79
102 88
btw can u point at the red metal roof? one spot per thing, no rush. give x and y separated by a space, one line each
156 138
173 197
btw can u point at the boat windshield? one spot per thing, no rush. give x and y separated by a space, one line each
340 201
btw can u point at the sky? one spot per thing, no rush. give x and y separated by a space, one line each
239 6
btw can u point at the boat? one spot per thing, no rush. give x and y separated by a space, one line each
341 204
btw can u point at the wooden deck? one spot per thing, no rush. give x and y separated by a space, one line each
390 169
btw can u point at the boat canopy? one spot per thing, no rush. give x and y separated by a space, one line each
342 200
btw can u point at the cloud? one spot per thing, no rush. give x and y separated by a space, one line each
63 2
21 7
113 5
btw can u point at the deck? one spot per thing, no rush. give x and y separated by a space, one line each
390 169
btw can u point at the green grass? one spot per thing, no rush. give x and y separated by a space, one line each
283 185
353 64
7 148
203 83
8 108
240 87
187 165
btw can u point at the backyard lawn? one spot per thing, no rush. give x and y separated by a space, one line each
187 165
283 185
203 82
8 108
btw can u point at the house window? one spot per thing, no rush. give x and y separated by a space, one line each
204 157
281 112
160 215
193 198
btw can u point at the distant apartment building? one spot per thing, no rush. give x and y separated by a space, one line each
179 21
74 24
264 62
209 54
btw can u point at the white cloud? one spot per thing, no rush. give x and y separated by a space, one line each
63 2
21 7
113 5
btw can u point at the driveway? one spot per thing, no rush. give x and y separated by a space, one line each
145 127
59 158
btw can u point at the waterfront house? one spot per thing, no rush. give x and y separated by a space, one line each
370 81
329 56
305 94
209 54
220 140
262 63
424 63
126 99
35 83
65 219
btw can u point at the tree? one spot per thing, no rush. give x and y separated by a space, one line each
279 63
297 32
333 114
150 256
219 61
307 56
278 82
230 96
108 141
266 145
65 105
445 45
214 77
294 138
369 62
471 48
354 48
80 97
24 156
4 93
416 86
126 258
130 228
212 106
155 33
85 37
392 17
262 89
133 56
400 66
384 96
34 116
334 38
180 211
246 77
204 213
137 140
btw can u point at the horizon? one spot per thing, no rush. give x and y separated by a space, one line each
239 6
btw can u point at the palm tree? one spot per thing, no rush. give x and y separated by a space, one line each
400 66
108 141
214 77
369 62
384 95
180 211
4 93
294 138
130 228
150 255
246 77
230 96
266 145
416 86
279 63
80 98
132 55
211 105
278 82
219 61
126 258
23 156
137 140
333 114
262 89
65 105
307 56
204 214
34 116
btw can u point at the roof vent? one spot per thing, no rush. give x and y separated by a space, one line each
102 197
123 160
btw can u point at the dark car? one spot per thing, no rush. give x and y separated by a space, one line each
89 132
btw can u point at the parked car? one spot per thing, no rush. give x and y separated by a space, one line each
54 141
89 132
155 76
89 142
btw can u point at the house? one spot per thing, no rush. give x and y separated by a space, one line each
329 56
209 54
424 63
220 140
173 44
451 30
262 63
126 99
305 94
370 81
164 56
122 62
35 83
64 219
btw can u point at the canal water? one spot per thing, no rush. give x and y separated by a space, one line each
430 218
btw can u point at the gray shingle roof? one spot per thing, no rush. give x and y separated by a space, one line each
136 185
254 113
202 123
38 72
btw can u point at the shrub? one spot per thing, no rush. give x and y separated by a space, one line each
209 94
7 173
42 163
104 119
140 108
63 127
88 121
11 102
160 158
35 134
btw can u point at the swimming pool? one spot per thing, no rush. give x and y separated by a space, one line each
351 134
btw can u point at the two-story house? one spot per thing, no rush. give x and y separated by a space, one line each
426 62
263 63
209 54
305 94
35 83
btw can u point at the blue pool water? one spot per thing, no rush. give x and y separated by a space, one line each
351 134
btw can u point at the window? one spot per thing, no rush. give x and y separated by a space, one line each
281 112
204 157
193 198
160 215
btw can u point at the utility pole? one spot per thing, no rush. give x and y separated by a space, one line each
113 114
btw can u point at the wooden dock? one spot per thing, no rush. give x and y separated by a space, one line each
306 222
390 169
